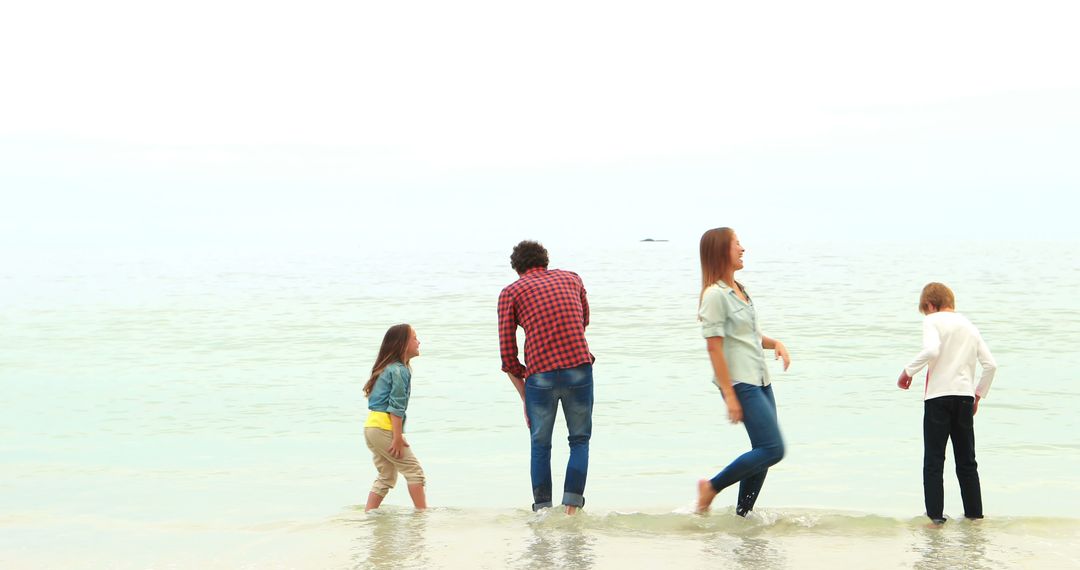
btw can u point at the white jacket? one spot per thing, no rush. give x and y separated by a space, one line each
951 345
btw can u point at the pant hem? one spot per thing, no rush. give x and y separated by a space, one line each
538 506
573 500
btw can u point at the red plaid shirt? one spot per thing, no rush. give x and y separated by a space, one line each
552 308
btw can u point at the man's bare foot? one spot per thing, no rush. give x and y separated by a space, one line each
571 510
705 496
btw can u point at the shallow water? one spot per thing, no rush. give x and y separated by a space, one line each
189 410
398 537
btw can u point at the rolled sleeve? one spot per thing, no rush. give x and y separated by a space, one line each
508 350
712 313
584 307
399 394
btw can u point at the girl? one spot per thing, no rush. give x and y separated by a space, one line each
736 351
387 391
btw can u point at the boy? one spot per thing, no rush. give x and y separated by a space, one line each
951 345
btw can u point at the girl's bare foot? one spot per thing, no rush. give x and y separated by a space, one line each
373 502
705 496
419 498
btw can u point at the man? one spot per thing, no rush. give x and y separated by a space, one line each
552 308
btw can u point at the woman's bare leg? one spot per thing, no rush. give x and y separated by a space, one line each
705 496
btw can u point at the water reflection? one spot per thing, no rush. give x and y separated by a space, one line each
744 543
957 545
564 546
753 552
392 540
747 552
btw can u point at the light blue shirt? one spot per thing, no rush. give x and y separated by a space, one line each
390 393
724 314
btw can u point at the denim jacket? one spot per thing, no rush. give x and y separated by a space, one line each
390 393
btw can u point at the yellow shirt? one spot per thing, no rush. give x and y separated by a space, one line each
379 420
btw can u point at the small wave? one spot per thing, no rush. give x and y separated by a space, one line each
683 521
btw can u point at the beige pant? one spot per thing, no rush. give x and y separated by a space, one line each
378 441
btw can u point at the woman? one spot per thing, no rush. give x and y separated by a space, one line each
736 349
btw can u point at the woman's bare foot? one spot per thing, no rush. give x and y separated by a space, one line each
705 496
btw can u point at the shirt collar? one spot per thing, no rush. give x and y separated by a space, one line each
731 291
723 286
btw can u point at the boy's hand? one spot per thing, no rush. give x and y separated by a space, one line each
975 408
904 382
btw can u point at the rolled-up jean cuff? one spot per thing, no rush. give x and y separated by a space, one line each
538 506
573 500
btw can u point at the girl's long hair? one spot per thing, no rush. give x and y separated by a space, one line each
715 257
394 344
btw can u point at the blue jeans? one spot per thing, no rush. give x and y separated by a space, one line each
750 468
543 392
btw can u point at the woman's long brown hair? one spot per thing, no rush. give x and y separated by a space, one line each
394 344
715 256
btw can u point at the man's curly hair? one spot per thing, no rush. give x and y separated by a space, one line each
527 255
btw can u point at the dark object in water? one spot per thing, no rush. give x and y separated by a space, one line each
653 240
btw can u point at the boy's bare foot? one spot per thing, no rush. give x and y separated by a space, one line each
705 496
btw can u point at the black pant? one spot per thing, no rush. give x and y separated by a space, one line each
944 418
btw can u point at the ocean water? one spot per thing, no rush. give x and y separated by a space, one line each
193 410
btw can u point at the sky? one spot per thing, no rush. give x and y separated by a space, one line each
352 124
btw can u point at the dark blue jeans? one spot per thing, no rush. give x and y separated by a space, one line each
543 392
945 418
750 468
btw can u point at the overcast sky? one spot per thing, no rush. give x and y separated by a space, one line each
369 124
